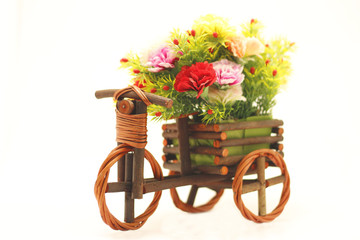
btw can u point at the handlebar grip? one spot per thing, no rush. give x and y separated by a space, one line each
155 99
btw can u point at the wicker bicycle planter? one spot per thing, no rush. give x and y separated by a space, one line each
231 150
219 72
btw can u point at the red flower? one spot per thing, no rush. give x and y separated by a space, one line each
210 112
252 70
166 87
195 77
138 84
215 34
176 42
136 71
124 60
267 61
153 90
158 114
193 33
274 73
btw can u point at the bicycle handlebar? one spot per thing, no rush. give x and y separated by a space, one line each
155 99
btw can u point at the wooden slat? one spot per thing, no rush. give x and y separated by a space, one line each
248 141
152 185
277 146
208 135
196 135
275 180
250 125
248 185
119 187
210 151
195 127
171 126
173 150
184 146
279 131
178 181
170 135
199 150
230 126
229 160
176 167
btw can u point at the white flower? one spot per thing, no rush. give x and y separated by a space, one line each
231 94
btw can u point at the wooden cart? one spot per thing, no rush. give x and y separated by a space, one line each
226 172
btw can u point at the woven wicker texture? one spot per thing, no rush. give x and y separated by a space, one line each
131 131
189 208
242 168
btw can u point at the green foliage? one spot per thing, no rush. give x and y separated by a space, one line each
214 112
252 29
265 73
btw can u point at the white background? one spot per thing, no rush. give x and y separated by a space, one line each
54 134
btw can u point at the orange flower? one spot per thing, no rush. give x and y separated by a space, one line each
237 45
254 47
240 46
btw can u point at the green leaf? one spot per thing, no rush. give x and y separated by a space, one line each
205 93
192 94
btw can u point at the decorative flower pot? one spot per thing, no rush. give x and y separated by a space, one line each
225 143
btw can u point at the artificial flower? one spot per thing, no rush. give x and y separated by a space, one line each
195 77
254 47
240 46
140 83
228 72
231 94
176 68
237 45
160 59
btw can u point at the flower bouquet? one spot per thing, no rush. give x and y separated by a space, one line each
215 73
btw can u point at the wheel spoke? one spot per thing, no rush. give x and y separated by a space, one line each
188 206
241 186
260 163
129 201
192 195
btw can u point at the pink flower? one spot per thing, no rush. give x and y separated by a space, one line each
228 72
160 59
